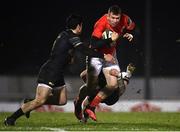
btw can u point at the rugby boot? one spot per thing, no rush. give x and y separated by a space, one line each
77 109
9 121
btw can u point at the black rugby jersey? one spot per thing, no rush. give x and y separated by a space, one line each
51 72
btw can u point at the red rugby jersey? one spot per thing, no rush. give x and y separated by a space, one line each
102 24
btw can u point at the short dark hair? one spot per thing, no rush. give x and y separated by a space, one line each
115 9
73 20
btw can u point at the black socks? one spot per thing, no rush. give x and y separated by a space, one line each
17 114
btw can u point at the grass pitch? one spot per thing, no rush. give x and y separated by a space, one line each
106 122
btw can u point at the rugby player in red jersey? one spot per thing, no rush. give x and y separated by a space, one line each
105 38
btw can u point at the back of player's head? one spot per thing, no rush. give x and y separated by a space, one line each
73 20
115 9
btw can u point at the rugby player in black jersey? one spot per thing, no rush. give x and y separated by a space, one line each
51 74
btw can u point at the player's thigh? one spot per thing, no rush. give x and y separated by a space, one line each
43 91
95 66
93 71
111 80
63 92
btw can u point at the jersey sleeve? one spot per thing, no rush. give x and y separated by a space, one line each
88 51
98 29
75 41
130 25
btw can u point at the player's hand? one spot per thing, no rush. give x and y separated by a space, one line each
128 36
114 72
114 36
109 58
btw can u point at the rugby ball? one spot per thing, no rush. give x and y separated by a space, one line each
106 34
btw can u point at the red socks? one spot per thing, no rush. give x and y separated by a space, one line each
95 101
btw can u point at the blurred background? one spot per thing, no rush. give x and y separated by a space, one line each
29 28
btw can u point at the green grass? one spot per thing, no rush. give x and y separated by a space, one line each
106 122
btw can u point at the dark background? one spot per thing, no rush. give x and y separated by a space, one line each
29 28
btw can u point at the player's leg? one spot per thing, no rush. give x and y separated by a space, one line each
122 83
58 97
90 75
114 97
103 93
92 81
81 96
42 93
93 70
78 101
123 80
109 88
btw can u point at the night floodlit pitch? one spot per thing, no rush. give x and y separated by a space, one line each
106 122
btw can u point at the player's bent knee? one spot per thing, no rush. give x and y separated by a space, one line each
39 101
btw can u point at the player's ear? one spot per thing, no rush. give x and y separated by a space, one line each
108 16
80 26
77 27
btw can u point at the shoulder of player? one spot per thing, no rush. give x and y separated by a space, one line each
68 34
69 37
63 35
124 16
126 19
101 21
75 40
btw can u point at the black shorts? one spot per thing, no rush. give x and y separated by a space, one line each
52 78
113 98
52 83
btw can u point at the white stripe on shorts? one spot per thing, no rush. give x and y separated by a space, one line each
44 85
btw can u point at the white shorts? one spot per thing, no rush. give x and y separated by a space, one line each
98 64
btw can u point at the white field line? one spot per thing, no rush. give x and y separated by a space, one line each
53 129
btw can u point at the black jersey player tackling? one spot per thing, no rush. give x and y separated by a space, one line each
51 74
